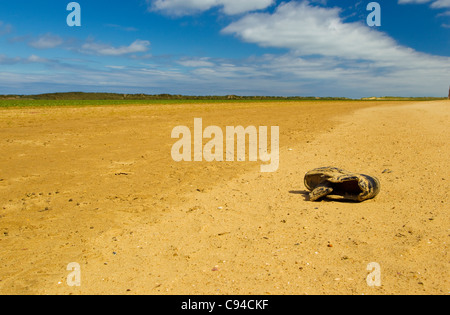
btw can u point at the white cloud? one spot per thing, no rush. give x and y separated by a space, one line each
446 13
187 7
438 4
413 1
138 46
441 4
46 41
5 60
196 63
286 74
322 47
116 67
36 59
310 30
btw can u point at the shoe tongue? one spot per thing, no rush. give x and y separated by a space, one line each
321 191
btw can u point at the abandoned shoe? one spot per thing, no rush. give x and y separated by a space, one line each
337 184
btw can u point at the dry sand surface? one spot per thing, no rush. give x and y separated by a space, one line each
97 186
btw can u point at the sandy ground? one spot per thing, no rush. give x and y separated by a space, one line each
97 186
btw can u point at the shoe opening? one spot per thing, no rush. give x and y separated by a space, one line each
347 188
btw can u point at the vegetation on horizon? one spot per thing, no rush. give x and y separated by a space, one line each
117 96
92 99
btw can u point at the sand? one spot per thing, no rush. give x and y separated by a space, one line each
97 186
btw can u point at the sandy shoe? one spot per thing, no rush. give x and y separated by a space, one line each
337 184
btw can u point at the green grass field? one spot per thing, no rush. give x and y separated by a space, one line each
57 103
9 102
17 103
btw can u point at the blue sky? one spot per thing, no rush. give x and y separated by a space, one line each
220 47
